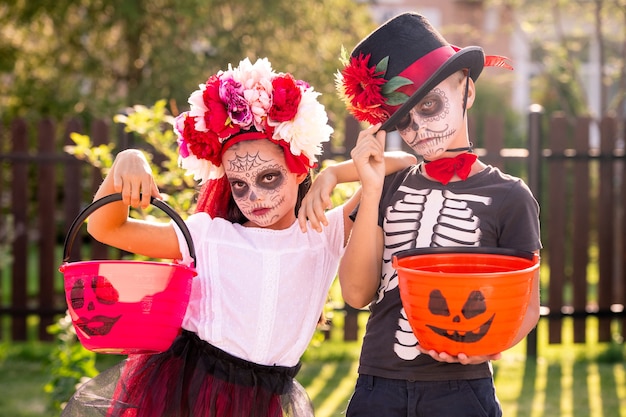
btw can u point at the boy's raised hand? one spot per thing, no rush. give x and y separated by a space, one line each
132 177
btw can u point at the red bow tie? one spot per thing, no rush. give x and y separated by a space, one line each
444 169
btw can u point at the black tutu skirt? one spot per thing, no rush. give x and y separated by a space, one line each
191 379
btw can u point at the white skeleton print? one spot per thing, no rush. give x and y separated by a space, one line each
425 218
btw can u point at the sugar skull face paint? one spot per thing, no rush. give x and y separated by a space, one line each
431 126
262 186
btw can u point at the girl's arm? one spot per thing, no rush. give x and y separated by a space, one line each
131 175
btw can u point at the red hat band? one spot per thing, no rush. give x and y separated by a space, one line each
421 70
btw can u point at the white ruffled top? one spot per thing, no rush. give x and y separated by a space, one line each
259 292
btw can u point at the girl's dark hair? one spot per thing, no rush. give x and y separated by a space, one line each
234 215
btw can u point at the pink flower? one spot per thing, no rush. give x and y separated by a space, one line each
238 108
260 101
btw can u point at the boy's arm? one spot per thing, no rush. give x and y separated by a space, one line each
532 312
131 176
360 266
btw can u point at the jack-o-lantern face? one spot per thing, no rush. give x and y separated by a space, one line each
85 295
468 323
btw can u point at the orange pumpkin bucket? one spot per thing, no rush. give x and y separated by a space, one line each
126 306
465 300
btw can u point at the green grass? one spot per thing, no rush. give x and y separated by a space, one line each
566 380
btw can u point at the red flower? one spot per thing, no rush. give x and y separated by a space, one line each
372 115
204 145
216 118
285 98
363 83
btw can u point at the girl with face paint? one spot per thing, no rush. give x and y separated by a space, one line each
251 137
263 189
406 76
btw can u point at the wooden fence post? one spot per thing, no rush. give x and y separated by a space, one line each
4 223
99 136
605 218
19 209
581 225
535 145
557 227
351 324
72 186
46 199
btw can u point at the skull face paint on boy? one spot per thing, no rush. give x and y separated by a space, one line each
430 127
262 186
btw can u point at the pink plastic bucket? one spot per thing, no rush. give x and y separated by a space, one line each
126 307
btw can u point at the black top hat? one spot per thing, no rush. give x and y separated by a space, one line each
411 57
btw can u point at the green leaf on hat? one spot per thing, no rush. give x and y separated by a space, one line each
393 84
382 65
396 98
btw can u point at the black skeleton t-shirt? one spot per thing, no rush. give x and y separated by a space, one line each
489 209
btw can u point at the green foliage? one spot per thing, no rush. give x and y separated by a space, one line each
100 156
7 233
614 353
95 57
70 363
569 42
153 125
490 101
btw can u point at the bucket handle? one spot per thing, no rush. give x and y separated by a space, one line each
82 216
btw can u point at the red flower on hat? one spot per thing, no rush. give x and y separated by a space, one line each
366 92
361 85
285 98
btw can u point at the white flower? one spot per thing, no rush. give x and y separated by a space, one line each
201 169
308 130
197 108
249 75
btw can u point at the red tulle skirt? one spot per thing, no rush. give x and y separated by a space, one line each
191 379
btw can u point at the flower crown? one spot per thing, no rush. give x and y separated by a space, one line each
367 94
250 98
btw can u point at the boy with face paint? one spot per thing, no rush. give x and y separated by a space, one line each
251 137
405 76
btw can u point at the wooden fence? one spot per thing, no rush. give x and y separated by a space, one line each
581 189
